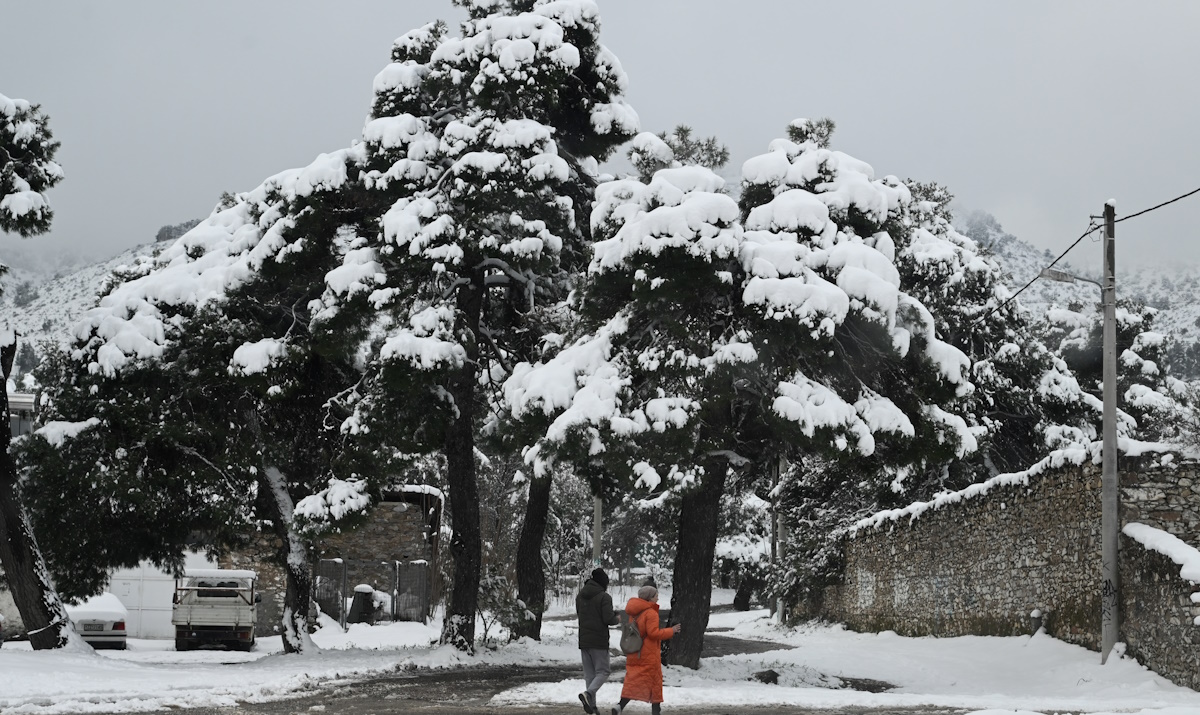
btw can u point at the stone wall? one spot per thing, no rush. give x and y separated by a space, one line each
983 564
402 527
260 553
396 531
1158 615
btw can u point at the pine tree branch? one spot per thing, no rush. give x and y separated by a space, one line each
500 358
192 452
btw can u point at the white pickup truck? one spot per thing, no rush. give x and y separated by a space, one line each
215 606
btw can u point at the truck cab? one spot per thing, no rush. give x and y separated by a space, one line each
215 606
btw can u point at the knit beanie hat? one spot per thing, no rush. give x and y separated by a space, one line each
647 592
600 577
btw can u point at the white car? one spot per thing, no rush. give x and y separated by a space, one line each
100 620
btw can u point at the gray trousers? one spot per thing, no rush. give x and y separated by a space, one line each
595 668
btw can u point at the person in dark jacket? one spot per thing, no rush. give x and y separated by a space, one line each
594 607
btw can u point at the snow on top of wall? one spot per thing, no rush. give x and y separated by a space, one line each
422 489
1074 455
1168 545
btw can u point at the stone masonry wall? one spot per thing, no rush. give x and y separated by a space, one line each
394 531
260 554
983 565
1157 615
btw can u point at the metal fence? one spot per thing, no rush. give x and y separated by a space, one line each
412 594
408 586
329 589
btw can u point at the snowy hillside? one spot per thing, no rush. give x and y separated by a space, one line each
61 298
1173 289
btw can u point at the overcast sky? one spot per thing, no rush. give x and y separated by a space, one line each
1034 111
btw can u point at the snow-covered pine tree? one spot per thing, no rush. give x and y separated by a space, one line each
1153 405
849 231
963 287
481 150
1026 401
204 378
651 152
27 169
711 349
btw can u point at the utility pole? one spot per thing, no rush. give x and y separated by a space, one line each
1110 517
1110 592
597 528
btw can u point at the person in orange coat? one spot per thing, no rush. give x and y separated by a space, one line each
643 671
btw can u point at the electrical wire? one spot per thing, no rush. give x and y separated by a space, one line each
1092 228
1153 208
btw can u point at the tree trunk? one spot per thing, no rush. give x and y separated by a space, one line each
691 588
36 599
293 552
458 628
294 557
531 575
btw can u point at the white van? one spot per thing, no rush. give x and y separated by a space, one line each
215 606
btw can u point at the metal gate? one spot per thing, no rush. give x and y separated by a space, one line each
329 589
410 584
412 591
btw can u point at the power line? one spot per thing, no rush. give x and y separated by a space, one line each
1153 208
1092 228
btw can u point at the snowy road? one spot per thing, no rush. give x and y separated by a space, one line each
398 668
468 691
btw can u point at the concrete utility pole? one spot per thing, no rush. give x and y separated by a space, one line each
597 529
1110 518
1110 600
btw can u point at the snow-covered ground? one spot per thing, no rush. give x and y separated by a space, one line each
1018 674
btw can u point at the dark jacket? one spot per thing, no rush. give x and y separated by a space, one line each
594 607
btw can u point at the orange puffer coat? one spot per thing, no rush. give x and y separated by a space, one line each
643 671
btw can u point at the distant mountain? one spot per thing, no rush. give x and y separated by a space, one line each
1173 289
60 299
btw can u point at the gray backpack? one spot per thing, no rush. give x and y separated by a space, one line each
631 637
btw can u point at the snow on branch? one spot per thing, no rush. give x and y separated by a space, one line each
337 501
56 433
